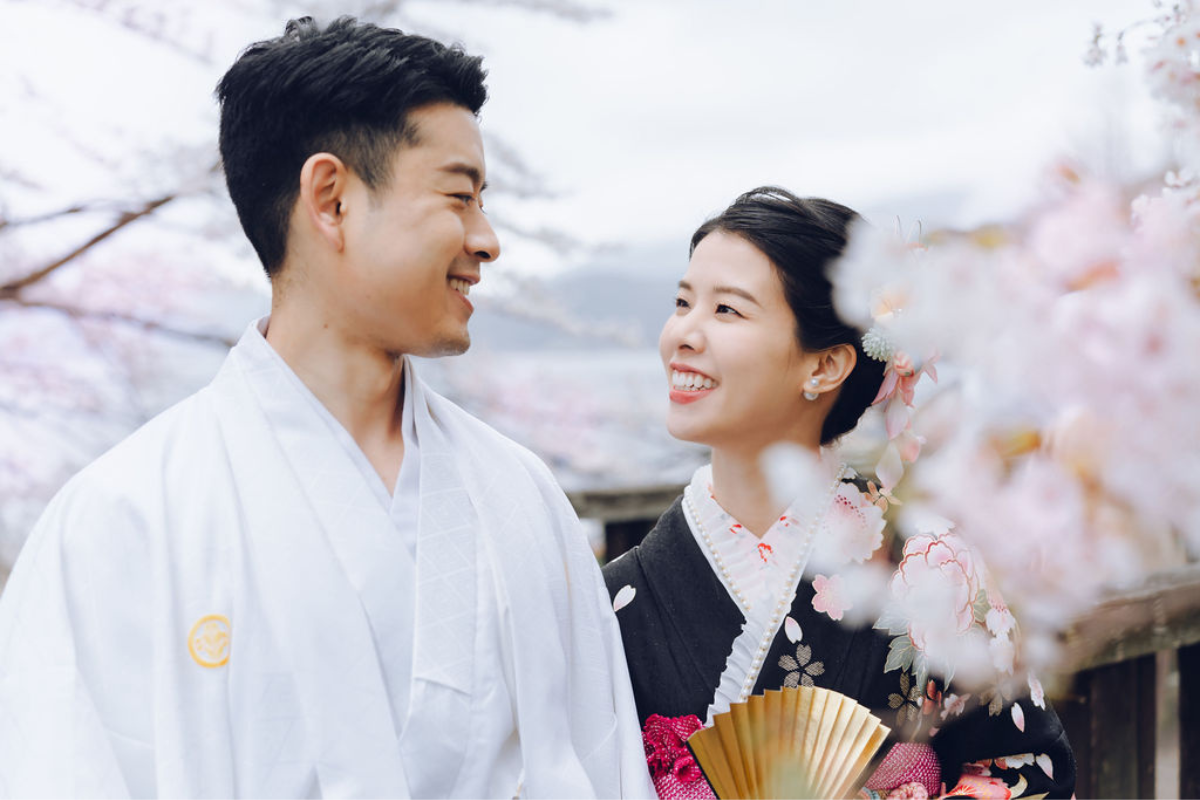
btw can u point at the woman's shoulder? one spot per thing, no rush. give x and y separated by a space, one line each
628 568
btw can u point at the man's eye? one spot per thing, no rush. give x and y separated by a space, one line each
466 199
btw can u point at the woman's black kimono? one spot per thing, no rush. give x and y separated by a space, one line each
680 629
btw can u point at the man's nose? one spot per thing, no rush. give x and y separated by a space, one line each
482 242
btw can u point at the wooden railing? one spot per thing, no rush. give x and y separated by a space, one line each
1131 671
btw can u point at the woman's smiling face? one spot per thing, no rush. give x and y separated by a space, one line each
735 367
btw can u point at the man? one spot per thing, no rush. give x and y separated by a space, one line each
315 576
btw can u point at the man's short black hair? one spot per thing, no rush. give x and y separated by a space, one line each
346 89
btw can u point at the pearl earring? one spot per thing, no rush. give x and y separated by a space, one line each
811 394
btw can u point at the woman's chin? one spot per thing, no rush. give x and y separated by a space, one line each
687 430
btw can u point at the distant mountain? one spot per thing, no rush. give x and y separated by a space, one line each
633 289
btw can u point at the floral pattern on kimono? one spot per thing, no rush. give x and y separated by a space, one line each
679 627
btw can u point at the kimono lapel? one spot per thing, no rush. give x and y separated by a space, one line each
446 609
694 603
308 589
361 531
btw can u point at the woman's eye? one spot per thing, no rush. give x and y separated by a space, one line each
724 309
680 302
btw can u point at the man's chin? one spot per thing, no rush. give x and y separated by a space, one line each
452 346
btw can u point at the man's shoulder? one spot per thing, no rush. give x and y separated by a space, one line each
485 435
169 433
120 478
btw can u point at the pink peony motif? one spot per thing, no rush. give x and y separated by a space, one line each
936 585
980 786
829 598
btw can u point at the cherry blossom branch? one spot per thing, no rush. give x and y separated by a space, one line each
47 217
148 325
9 291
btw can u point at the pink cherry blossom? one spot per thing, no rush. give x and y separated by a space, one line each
1065 448
829 598
954 704
1036 693
852 529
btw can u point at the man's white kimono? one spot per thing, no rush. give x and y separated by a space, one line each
229 603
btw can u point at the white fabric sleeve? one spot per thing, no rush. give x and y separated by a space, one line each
64 616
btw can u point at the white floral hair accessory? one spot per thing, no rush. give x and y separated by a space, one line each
876 344
901 374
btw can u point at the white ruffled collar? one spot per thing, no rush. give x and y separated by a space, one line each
753 566
762 581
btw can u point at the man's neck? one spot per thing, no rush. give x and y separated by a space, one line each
361 385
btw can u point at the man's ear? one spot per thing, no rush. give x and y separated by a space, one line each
832 368
324 179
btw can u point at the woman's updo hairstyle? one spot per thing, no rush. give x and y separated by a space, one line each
802 237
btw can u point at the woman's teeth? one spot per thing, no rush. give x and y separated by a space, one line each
460 286
690 381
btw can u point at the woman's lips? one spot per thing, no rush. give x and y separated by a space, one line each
689 385
684 397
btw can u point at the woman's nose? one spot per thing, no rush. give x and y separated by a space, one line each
687 332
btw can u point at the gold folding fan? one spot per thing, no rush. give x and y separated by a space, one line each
802 742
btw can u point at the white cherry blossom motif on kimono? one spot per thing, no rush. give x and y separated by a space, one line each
1036 693
624 597
1018 717
852 530
792 629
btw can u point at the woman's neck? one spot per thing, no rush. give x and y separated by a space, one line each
743 488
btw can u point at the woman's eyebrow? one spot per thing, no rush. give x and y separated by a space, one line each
734 290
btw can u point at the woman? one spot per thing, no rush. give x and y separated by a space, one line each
728 595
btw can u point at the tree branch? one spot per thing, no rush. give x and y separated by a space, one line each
50 215
127 319
9 290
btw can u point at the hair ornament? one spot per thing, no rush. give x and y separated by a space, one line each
876 344
901 375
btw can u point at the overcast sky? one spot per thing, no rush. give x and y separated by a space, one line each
655 116
660 114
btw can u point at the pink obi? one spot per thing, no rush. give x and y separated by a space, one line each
673 768
905 764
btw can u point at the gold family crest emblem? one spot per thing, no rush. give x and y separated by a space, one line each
208 641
